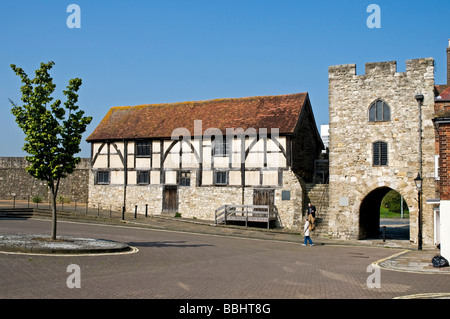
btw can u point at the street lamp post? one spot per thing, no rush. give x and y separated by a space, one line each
418 180
419 98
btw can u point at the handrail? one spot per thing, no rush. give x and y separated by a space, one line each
322 197
225 211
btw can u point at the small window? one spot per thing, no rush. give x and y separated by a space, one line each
185 178
285 195
143 148
221 178
102 177
437 169
380 154
379 112
143 177
221 147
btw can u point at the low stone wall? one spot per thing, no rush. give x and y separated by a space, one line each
14 180
198 202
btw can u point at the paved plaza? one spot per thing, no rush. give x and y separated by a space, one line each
209 262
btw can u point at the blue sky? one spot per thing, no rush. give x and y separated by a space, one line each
144 52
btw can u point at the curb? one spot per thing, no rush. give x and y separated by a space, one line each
63 245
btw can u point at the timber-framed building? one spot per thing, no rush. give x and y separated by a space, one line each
193 158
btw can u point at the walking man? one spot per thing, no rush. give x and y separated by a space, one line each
311 215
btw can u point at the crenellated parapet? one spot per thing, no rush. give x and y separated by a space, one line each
414 67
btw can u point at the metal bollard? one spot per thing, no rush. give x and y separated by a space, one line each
135 211
146 208
384 234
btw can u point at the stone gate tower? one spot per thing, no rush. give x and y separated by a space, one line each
374 145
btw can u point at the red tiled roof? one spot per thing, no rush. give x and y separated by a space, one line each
445 95
443 92
159 120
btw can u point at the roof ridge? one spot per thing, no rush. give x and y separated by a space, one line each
124 107
159 120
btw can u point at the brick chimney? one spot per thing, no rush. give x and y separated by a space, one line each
448 63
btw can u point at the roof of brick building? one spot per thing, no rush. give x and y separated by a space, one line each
160 120
443 92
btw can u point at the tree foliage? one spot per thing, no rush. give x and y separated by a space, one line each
392 201
53 131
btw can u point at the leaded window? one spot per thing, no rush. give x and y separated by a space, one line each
379 112
143 177
185 178
221 178
102 177
221 147
143 148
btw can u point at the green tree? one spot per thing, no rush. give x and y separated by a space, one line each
392 201
52 132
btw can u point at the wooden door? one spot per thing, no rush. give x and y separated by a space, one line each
264 197
170 199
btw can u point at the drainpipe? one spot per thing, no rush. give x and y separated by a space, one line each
125 174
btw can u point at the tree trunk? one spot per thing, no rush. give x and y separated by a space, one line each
53 237
53 193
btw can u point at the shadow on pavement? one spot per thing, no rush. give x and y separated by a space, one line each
164 244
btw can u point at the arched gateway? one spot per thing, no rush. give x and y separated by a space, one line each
369 213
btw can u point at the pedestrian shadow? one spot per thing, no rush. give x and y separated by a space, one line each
166 243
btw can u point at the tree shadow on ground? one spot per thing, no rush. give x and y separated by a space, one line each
166 243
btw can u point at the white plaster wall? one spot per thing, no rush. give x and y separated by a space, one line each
445 228
171 177
155 177
101 161
115 161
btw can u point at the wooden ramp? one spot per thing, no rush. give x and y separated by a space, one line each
245 213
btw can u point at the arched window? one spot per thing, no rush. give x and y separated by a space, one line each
379 111
380 154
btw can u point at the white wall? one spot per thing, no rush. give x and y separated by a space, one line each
445 228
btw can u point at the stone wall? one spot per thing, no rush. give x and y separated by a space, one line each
199 201
306 147
15 180
352 175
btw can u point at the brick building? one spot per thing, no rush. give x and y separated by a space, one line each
442 124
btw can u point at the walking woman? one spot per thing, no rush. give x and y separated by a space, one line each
307 234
